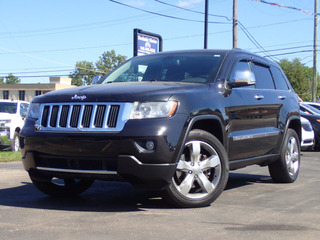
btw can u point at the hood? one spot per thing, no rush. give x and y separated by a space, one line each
121 92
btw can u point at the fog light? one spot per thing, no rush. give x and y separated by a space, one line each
150 145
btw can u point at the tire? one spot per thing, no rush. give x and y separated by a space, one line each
286 168
57 187
202 172
15 144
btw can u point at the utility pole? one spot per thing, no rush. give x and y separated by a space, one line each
315 49
234 24
206 24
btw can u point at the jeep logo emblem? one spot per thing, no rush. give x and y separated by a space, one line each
76 97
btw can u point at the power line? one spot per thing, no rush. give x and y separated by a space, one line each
64 70
289 53
269 50
189 10
74 28
130 43
289 48
163 15
72 49
40 76
253 40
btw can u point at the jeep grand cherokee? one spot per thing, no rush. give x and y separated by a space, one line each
175 121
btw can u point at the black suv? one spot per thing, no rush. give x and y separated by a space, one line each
174 121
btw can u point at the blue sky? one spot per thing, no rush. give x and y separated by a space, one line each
46 38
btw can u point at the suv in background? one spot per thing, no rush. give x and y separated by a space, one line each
12 115
174 121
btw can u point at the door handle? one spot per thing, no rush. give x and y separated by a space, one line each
282 97
259 97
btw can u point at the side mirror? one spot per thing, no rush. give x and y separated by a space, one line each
242 78
96 79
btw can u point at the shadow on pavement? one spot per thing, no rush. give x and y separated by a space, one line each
237 180
105 196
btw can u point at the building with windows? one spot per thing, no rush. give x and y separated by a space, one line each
26 92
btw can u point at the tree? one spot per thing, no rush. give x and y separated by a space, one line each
11 79
109 61
85 71
300 77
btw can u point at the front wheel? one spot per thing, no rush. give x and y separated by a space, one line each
58 187
202 171
286 168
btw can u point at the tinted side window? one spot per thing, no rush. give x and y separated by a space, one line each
263 75
279 79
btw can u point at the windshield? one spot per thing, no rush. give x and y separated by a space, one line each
176 67
8 107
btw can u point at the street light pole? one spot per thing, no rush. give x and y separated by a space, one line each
315 49
206 25
235 23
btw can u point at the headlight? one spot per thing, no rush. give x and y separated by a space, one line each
34 110
153 109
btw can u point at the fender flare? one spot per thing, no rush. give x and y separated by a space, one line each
191 124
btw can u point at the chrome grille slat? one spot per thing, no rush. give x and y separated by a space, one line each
94 110
84 116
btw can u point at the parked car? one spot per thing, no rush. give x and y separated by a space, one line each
307 140
311 114
12 115
308 109
173 121
313 104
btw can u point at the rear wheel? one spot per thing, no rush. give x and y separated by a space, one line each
202 171
15 144
286 168
58 187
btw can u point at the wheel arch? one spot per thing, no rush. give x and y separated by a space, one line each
295 124
210 123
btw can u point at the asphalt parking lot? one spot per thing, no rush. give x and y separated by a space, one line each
251 207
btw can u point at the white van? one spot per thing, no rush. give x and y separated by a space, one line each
12 115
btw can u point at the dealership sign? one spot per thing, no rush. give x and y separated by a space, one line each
146 42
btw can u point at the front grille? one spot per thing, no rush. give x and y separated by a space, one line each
84 116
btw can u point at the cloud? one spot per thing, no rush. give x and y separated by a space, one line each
188 3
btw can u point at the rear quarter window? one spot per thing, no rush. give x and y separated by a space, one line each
279 79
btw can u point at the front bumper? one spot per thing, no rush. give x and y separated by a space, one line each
107 156
128 168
